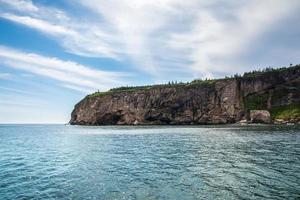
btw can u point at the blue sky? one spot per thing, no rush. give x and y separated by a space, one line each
53 53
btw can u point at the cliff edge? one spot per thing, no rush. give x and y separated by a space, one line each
218 101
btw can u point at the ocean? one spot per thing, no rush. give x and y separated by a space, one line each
149 162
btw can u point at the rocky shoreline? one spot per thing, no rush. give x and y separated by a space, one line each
264 117
270 96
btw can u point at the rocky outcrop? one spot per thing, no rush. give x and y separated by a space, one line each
209 102
260 116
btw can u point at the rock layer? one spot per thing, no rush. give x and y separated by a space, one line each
214 102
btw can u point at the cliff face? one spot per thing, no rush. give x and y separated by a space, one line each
212 102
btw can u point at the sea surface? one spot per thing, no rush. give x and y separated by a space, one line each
155 162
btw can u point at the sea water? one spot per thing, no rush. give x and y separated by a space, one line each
155 162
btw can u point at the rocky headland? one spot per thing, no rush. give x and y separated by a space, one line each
267 96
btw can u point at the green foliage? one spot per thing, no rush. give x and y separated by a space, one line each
286 112
279 112
257 102
268 70
203 82
206 82
172 84
137 88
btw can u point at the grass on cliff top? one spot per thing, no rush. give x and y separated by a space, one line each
286 112
175 84
269 71
149 87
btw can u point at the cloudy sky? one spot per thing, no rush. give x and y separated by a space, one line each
53 53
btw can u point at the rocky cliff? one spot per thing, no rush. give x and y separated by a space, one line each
220 101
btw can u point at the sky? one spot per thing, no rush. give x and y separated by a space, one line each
54 53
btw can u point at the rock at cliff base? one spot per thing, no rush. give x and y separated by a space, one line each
260 116
243 122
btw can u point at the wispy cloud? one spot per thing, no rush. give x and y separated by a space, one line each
169 37
76 35
20 104
68 72
13 90
21 5
78 88
39 24
158 40
5 76
203 37
218 42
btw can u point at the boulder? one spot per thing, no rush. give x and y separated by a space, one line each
260 116
279 121
243 122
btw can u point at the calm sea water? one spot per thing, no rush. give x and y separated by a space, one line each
157 162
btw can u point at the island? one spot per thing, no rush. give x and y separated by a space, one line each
263 96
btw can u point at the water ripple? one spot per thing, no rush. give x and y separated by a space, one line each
73 162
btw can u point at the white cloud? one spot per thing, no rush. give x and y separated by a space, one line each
166 39
39 24
75 35
69 73
19 104
13 90
26 75
207 37
5 76
21 5
78 88
216 44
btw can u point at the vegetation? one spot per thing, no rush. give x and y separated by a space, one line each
286 112
148 87
253 103
268 70
257 102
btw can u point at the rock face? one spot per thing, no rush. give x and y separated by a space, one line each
260 116
213 102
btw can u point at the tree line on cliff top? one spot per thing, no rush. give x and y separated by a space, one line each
205 81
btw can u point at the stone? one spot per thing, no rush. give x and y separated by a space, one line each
279 121
260 116
214 102
243 122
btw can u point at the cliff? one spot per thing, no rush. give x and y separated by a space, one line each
219 101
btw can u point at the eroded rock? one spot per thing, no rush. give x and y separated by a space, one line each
217 102
260 116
